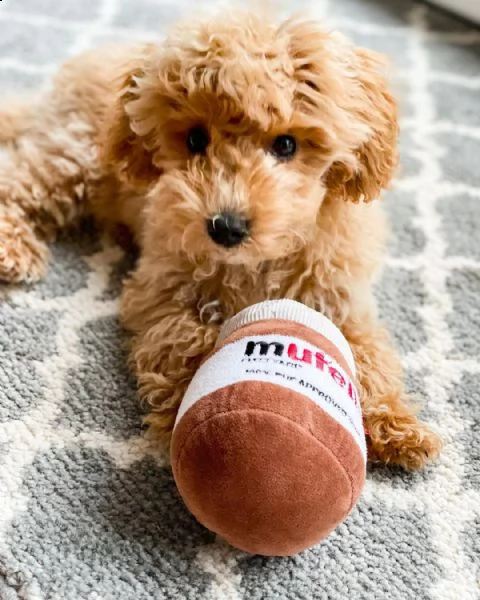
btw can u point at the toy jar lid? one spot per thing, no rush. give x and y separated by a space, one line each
289 310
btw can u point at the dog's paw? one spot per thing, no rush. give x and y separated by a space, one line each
23 257
401 440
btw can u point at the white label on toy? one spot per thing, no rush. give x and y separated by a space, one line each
286 361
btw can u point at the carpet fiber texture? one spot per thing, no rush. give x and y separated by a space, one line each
87 509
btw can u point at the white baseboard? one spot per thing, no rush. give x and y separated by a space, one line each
466 8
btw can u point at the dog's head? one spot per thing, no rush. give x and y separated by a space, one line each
239 130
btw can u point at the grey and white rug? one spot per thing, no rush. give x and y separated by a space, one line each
88 512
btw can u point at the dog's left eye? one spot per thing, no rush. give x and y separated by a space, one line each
284 147
197 140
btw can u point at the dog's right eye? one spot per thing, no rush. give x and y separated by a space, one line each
284 147
197 140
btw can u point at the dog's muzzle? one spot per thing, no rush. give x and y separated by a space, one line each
228 229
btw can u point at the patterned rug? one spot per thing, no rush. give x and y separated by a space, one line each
87 510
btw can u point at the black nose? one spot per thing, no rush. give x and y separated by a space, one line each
227 229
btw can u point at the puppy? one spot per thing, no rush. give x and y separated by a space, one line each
244 157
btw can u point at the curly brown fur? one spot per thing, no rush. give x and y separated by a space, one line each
314 235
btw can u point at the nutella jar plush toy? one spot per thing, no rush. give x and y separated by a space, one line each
268 449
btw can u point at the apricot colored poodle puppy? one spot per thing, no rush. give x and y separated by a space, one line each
244 157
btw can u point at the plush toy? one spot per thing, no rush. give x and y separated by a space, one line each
268 449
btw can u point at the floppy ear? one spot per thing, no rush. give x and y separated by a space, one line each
122 149
375 160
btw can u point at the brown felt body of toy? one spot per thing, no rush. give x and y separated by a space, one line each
264 466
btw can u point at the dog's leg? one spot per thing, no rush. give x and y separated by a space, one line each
395 434
165 358
43 162
23 254
169 343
